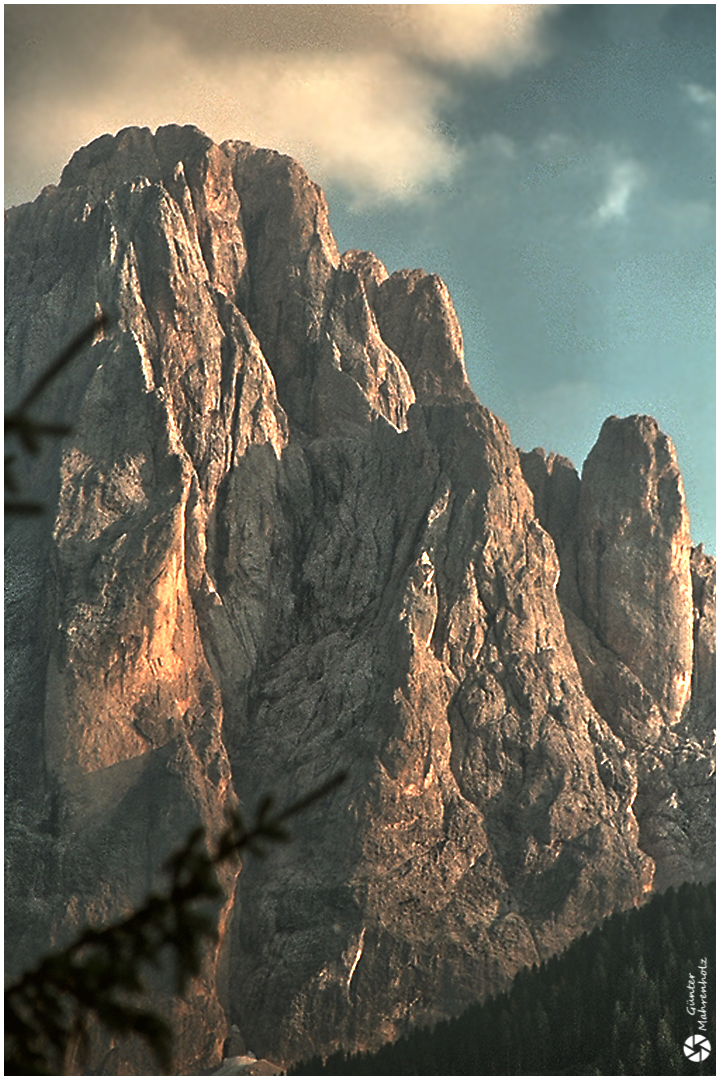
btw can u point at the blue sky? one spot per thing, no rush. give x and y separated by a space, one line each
577 234
554 163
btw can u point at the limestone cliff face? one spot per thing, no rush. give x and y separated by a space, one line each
638 601
285 539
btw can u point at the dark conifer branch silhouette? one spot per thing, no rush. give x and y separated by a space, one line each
101 975
30 432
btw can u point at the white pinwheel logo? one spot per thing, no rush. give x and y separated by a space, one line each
697 1048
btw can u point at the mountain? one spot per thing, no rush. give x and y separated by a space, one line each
286 538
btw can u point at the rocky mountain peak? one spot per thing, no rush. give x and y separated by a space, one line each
286 538
634 557
400 339
113 160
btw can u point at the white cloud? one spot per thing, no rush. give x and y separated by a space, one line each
497 36
626 178
699 95
704 101
366 120
362 110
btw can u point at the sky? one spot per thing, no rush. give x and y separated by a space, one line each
555 164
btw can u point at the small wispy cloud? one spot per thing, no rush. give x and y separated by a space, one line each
625 179
704 101
699 95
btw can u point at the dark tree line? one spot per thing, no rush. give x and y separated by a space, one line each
614 1003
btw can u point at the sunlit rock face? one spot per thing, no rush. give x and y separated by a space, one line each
634 557
639 603
284 539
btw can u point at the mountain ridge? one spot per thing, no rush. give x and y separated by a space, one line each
289 539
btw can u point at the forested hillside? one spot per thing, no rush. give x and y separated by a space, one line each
614 1003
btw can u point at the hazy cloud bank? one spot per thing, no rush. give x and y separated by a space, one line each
353 92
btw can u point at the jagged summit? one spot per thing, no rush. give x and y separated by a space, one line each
112 160
323 321
286 538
